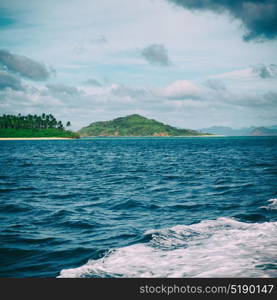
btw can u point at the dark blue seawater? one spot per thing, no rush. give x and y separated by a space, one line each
153 207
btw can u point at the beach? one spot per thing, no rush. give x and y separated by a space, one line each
35 138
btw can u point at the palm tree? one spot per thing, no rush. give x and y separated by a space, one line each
47 121
60 125
29 121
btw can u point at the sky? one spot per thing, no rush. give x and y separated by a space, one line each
187 63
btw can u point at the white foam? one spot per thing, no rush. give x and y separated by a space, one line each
272 204
213 248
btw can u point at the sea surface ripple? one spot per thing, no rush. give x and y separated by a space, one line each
139 207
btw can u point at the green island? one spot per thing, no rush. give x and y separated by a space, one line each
34 126
135 125
46 126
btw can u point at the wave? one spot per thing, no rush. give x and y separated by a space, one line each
213 248
14 208
272 204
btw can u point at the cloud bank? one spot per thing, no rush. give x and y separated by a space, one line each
9 81
181 103
62 89
258 17
23 66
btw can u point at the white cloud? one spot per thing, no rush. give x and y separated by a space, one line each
242 74
181 89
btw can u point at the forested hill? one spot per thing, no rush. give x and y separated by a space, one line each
134 125
33 126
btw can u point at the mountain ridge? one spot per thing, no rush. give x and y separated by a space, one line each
245 131
263 131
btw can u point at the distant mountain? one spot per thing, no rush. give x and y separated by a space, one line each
222 130
134 125
263 131
272 127
246 131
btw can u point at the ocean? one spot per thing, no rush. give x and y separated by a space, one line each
139 207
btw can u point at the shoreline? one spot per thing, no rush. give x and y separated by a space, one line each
150 136
35 138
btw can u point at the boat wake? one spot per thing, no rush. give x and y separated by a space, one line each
272 204
213 248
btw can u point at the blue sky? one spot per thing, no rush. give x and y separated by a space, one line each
91 60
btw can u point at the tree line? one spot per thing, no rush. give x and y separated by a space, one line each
42 121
